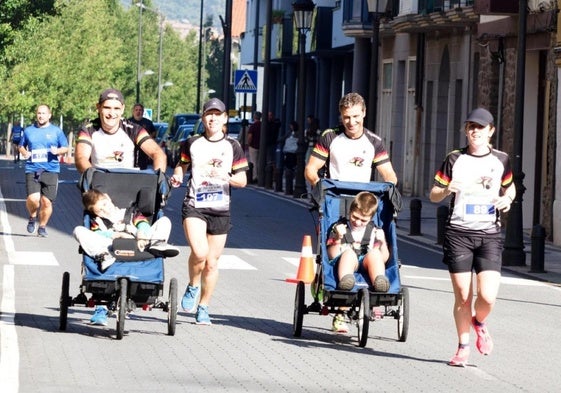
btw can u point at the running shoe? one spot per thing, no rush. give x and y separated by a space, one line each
42 232
189 300
31 225
381 284
340 324
484 341
162 249
100 316
202 317
107 261
460 359
347 282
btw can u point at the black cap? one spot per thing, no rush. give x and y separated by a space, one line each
214 103
111 94
480 116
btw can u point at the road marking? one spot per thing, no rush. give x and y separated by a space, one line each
233 262
12 200
33 258
292 261
9 352
504 280
249 252
9 355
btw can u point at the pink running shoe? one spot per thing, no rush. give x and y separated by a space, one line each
484 341
460 359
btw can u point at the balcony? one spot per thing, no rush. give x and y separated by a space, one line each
433 15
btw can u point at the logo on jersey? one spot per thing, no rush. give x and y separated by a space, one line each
215 163
357 161
486 182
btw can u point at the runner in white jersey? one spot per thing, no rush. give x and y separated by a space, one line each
350 152
479 179
216 163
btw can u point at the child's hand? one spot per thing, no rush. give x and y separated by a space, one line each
141 244
176 180
340 230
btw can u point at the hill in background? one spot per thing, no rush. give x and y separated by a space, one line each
187 12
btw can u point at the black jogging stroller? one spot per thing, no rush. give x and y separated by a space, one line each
332 199
136 278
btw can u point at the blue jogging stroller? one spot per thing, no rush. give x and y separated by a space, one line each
332 199
136 278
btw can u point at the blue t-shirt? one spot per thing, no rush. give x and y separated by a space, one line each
39 140
17 132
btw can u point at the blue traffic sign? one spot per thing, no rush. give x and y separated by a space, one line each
245 81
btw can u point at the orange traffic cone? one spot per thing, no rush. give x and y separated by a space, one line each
306 267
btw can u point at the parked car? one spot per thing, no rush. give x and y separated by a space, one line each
161 132
234 128
182 119
185 131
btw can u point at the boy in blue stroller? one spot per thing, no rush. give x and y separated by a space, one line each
355 244
357 274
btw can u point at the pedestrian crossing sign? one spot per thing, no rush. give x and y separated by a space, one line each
245 81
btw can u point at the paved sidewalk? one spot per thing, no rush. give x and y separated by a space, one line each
429 236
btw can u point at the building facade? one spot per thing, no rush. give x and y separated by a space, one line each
436 61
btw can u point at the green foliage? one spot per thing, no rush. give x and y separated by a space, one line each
66 54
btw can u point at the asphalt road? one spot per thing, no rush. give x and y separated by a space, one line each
250 347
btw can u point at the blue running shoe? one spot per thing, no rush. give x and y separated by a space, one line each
202 317
100 316
189 300
31 225
42 232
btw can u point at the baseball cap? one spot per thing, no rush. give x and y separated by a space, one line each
111 94
480 116
214 103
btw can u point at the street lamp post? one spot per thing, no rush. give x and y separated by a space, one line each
513 252
139 50
160 88
200 60
374 7
139 75
303 11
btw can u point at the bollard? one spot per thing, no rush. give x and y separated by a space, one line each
250 175
415 207
538 247
289 181
278 180
269 176
441 218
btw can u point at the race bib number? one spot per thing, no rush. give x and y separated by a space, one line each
40 155
479 209
211 195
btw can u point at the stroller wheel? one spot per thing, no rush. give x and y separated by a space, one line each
299 306
172 306
64 301
363 321
121 307
403 315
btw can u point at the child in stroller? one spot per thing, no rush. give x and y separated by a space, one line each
110 226
110 222
355 244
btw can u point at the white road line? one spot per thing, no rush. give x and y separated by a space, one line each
504 280
249 252
292 261
35 258
9 351
233 262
